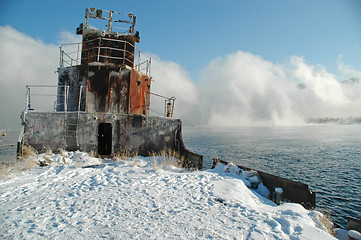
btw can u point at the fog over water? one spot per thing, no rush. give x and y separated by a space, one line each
239 89
243 89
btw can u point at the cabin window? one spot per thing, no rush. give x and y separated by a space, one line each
105 138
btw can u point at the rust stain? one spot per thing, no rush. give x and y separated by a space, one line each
119 91
138 96
113 85
108 48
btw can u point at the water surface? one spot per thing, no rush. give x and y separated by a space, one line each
326 157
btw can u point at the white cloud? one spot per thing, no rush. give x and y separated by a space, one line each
234 90
323 84
23 61
244 89
170 79
347 71
66 37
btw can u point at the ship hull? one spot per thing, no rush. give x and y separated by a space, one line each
106 134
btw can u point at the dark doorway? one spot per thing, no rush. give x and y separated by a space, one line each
105 139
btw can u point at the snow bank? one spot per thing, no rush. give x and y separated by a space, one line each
80 197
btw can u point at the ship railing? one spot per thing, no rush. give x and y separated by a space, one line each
157 100
70 54
54 98
124 21
102 50
51 98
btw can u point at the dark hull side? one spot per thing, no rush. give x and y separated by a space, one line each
292 191
106 134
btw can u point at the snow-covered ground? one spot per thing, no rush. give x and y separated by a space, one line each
80 197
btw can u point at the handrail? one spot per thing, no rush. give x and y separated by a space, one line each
111 17
168 104
62 95
50 98
141 61
29 95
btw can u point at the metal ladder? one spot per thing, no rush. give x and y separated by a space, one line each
71 123
71 130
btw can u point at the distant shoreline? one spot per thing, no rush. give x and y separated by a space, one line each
350 120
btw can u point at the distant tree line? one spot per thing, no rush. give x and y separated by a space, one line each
338 120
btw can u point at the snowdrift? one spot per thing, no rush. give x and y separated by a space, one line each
80 197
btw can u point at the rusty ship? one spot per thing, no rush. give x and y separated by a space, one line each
103 97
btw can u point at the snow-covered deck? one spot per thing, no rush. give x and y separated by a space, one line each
142 198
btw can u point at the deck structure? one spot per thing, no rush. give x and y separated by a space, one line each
103 97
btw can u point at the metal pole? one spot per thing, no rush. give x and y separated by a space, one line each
125 43
77 55
165 108
77 121
138 60
86 18
80 94
66 98
98 58
61 58
110 21
172 107
27 101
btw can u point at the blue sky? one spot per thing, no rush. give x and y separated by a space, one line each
193 33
